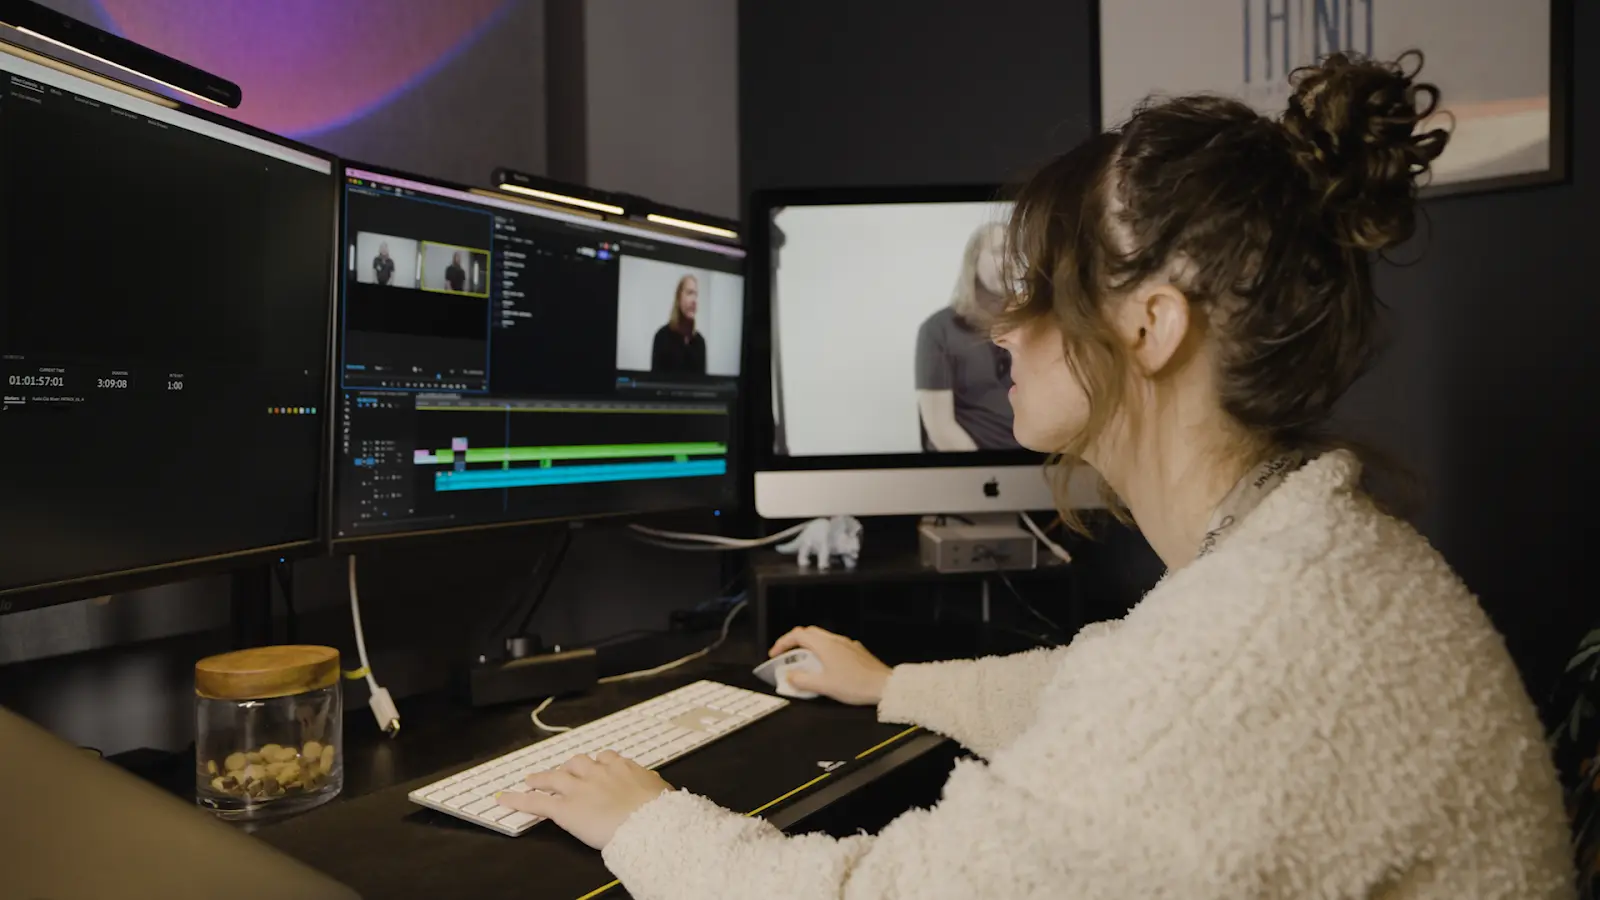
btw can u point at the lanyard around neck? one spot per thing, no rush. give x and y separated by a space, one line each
1246 496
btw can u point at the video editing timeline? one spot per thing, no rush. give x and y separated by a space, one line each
163 289
539 396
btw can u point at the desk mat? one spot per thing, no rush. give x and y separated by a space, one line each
384 846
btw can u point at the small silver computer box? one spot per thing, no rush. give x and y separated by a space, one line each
958 547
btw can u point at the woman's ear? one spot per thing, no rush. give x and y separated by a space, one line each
1153 322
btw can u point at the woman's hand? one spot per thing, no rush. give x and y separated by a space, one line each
589 798
849 673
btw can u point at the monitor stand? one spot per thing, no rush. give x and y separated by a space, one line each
250 596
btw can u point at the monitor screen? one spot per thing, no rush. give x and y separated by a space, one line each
880 346
502 362
165 294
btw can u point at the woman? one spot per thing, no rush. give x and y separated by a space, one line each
455 274
1310 703
383 264
678 347
962 377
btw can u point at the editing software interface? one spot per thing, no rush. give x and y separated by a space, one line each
165 305
501 362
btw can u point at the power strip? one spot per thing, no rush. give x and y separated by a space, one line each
960 547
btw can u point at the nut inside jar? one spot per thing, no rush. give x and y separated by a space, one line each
272 770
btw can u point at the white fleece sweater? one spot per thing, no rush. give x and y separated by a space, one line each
1317 709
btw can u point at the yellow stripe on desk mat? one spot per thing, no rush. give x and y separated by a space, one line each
779 799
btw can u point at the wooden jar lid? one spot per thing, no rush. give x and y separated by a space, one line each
264 672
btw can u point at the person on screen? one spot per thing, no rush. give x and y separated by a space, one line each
678 347
1310 703
455 275
962 378
383 264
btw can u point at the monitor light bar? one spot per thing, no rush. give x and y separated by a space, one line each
565 199
687 225
110 84
115 65
44 24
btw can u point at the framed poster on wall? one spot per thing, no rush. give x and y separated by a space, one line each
1503 67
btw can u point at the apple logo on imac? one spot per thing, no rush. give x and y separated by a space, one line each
991 488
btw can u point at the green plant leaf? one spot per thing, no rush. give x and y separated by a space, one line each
1582 711
1591 639
1583 657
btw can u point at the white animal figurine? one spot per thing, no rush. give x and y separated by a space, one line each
823 539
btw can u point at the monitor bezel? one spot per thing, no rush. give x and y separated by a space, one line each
758 365
99 584
737 443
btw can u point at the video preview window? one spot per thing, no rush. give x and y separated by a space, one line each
675 319
450 269
882 314
387 261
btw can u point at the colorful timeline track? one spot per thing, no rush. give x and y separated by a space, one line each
599 464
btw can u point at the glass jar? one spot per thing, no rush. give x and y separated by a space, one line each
268 731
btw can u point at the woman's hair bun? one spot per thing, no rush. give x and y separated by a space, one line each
1352 126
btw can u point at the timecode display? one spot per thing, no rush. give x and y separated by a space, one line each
36 381
97 380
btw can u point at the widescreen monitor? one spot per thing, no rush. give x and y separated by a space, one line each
165 311
503 362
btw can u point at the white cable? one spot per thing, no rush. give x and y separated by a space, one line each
727 623
542 726
737 543
1055 549
355 618
684 547
382 705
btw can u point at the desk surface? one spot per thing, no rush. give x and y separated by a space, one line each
375 840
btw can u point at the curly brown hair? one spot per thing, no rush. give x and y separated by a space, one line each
1267 225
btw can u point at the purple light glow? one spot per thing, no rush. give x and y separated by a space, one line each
308 66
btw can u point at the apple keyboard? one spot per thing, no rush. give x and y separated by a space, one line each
652 734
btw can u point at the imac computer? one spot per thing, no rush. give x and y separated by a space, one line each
505 362
886 395
165 310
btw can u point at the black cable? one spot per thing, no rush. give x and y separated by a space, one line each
285 575
986 553
1042 640
493 635
620 636
560 554
1026 605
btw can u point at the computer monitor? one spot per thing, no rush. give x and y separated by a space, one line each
885 397
165 304
503 362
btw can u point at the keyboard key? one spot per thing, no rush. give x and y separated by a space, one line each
480 807
519 819
496 813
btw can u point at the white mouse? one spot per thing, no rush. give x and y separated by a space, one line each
775 672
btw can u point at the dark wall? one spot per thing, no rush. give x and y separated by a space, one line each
901 92
1488 370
